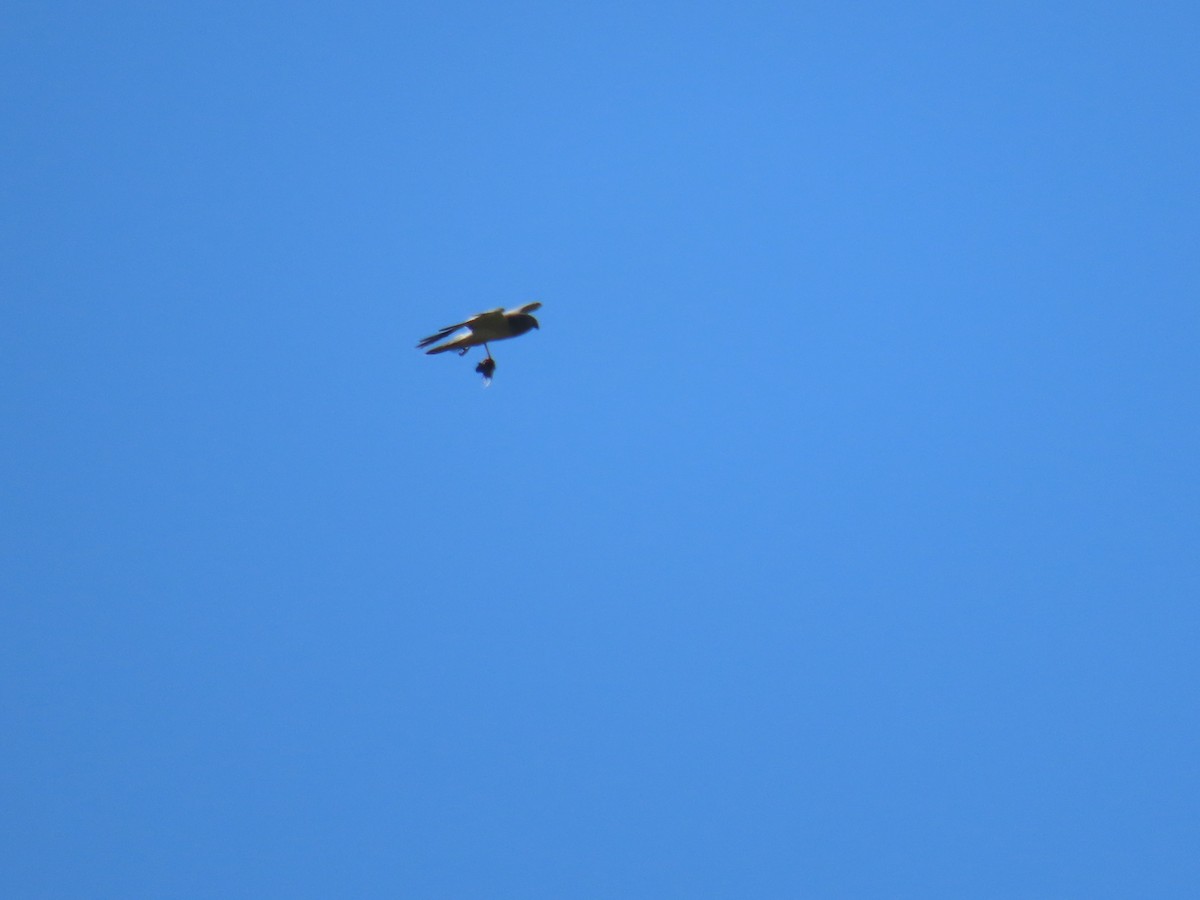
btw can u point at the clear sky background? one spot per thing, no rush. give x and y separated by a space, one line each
836 535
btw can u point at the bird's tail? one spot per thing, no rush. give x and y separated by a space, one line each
442 333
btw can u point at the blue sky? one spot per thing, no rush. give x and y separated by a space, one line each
834 537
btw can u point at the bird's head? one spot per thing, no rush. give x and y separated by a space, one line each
522 322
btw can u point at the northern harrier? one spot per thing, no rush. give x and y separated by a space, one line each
493 325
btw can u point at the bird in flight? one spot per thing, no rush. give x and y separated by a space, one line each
493 325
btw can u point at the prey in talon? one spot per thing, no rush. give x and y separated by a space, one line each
486 368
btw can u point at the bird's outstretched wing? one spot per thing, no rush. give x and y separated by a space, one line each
492 316
487 319
527 308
